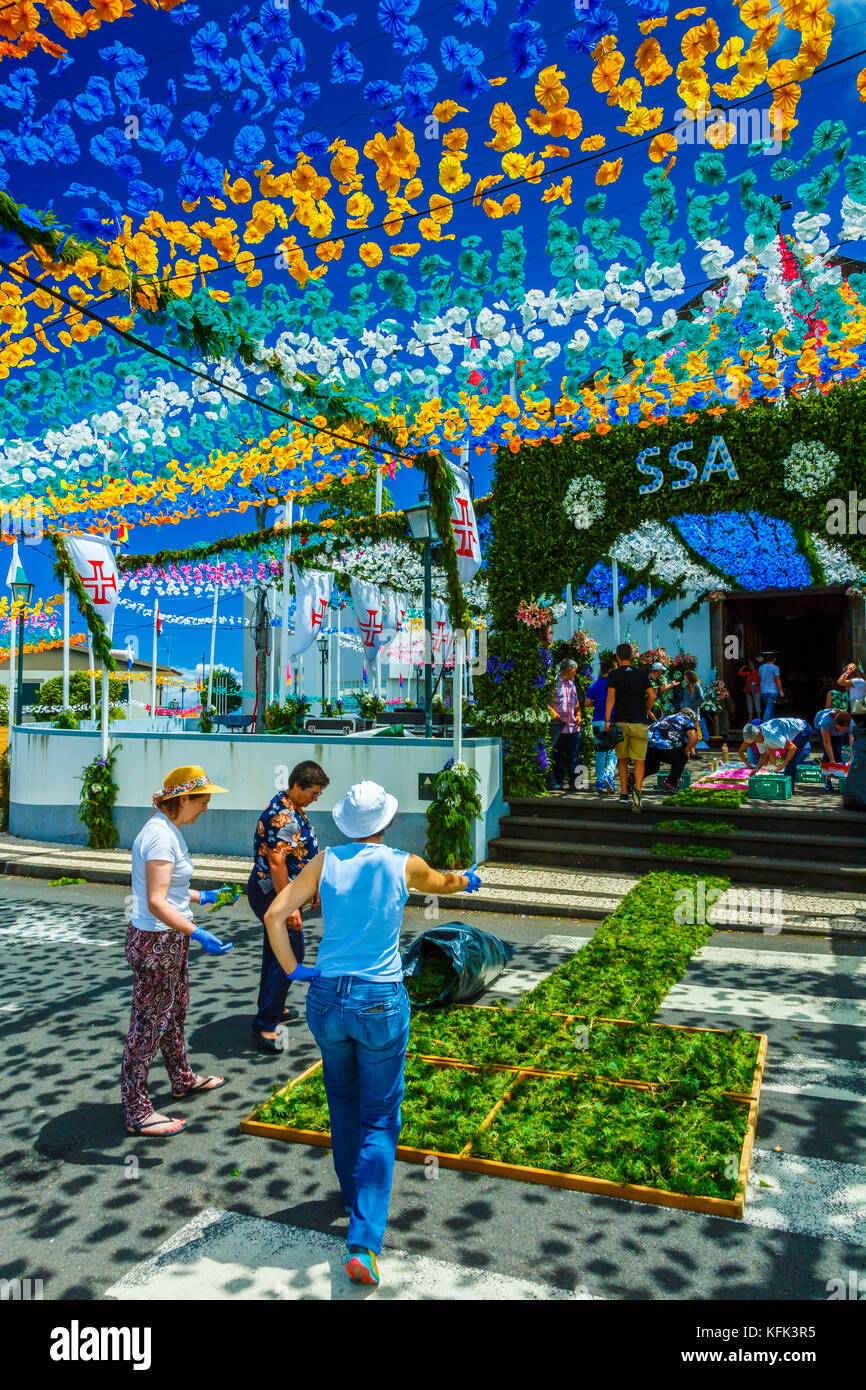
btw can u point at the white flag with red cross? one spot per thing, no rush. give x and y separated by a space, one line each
395 618
442 636
94 563
465 528
312 595
371 614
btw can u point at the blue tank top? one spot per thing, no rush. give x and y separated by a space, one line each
363 892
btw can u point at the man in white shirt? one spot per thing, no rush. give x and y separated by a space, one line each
771 685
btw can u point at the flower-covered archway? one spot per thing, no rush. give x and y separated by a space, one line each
559 507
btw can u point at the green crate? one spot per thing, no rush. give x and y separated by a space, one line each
685 779
808 772
770 788
840 782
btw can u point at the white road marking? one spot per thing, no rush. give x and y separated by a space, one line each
224 1255
568 944
847 967
807 1196
822 1078
40 930
761 1004
518 981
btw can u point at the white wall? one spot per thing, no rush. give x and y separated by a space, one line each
46 766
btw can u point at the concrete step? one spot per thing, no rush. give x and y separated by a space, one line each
805 815
636 832
789 873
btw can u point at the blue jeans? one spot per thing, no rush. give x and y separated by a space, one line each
769 702
362 1028
605 763
803 745
273 985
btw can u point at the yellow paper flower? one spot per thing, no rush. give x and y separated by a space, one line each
730 53
627 95
370 253
445 111
566 122
605 75
441 208
406 248
593 142
661 146
538 121
330 250
502 118
608 171
451 174
753 11
861 84
549 91
456 139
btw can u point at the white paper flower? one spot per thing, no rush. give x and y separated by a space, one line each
584 502
810 467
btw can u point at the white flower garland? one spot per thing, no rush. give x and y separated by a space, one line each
584 502
810 467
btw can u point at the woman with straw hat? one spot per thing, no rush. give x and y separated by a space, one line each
157 948
357 1005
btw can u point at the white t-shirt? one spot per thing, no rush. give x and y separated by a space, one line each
768 672
160 839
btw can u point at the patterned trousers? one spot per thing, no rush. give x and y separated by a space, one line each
160 996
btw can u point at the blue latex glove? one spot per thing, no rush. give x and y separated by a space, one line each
474 882
209 942
304 972
208 895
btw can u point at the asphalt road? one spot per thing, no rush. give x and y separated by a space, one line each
83 1204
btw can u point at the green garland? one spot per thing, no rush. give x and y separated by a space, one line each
98 795
440 487
455 805
64 569
388 526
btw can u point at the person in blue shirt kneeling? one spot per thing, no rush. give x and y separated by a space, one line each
357 1004
791 736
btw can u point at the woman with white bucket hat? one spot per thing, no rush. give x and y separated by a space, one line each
357 1005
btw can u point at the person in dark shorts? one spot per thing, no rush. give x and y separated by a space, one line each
630 697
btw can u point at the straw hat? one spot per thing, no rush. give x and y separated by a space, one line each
365 810
185 781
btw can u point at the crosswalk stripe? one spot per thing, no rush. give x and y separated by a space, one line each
807 1196
225 1255
24 930
762 1004
815 963
821 1078
518 980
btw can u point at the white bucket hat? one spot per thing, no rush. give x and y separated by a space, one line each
365 810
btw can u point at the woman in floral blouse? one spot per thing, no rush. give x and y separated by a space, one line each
284 843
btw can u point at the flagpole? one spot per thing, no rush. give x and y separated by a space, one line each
272 605
457 687
287 580
153 667
614 579
216 594
65 643
339 644
378 488
104 712
92 677
13 623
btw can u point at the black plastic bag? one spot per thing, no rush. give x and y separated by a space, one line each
473 959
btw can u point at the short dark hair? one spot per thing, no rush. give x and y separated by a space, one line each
841 716
607 665
307 775
625 651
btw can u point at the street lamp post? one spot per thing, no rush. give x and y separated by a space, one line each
22 593
423 528
322 644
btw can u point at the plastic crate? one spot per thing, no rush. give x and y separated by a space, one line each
840 783
685 779
770 788
808 772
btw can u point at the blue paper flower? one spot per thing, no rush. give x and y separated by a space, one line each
207 44
345 67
